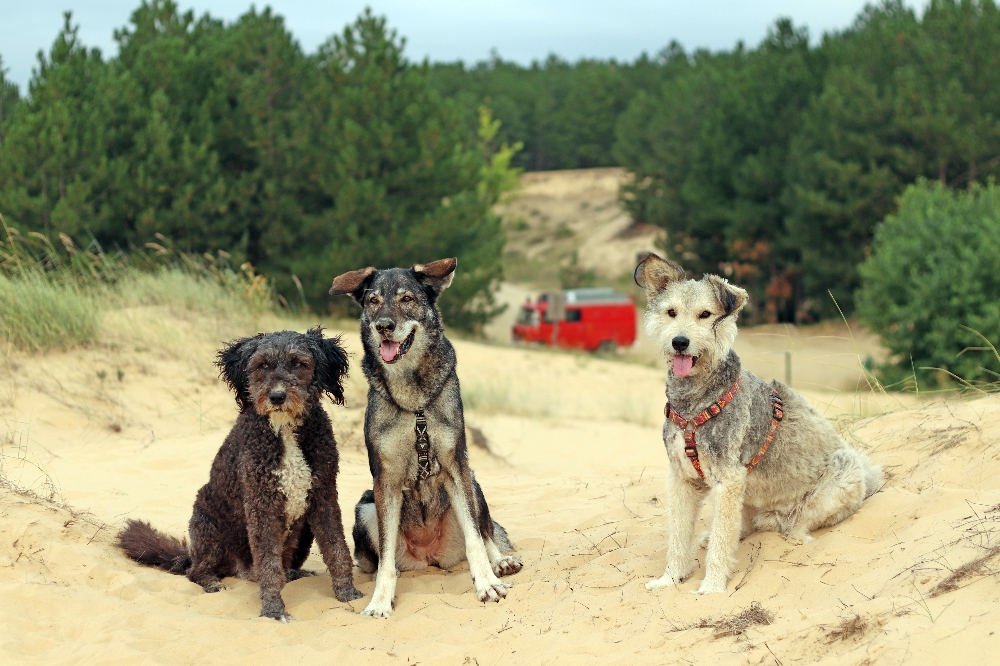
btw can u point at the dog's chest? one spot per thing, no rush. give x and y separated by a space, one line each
407 394
397 444
294 476
673 440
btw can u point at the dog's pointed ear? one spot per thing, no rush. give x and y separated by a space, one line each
731 298
352 283
232 361
654 273
437 275
331 363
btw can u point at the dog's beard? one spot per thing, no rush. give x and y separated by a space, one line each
281 418
393 350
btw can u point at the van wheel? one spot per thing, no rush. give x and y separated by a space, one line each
607 347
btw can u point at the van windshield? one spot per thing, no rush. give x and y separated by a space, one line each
528 316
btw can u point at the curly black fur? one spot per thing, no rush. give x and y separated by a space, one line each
245 522
146 546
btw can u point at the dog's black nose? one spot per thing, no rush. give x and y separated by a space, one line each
385 325
680 343
277 397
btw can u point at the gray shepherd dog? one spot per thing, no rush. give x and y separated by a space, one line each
771 461
426 508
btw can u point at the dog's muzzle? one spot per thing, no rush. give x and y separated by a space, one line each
391 350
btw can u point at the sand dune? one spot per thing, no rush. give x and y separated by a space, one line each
561 217
575 474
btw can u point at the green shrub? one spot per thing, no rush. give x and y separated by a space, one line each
931 287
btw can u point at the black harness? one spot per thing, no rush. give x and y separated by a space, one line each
423 446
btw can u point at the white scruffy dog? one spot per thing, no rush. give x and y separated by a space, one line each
770 459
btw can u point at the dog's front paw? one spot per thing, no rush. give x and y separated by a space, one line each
214 586
666 580
493 590
507 566
347 593
711 587
275 609
377 609
799 538
295 574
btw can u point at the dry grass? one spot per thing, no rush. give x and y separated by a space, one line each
737 623
853 628
977 567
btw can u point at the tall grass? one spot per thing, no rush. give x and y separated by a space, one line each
55 297
37 314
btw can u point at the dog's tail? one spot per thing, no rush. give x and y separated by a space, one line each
874 478
147 546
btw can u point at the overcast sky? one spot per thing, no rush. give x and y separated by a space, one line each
448 30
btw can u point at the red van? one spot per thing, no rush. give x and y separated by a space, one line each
590 319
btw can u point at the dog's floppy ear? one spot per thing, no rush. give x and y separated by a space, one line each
654 273
352 283
232 361
437 275
731 297
331 363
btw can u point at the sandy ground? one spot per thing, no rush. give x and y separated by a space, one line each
574 472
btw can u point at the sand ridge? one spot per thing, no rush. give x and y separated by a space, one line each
575 475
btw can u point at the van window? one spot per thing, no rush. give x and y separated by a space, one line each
573 316
528 316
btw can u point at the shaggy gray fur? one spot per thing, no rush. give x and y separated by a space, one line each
809 478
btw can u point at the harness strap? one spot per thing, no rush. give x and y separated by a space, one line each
423 446
777 413
690 425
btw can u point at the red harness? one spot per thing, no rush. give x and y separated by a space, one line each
690 425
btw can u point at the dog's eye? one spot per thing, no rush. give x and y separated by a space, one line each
265 366
705 315
298 364
373 300
406 299
671 312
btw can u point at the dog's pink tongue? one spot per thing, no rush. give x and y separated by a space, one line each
682 364
388 349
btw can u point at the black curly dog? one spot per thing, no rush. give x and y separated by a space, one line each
273 484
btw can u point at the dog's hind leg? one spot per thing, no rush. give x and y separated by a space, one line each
365 533
388 506
683 500
296 552
498 548
839 493
209 555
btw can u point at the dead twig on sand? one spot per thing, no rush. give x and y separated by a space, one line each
754 554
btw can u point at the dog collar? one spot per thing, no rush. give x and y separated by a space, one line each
690 425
